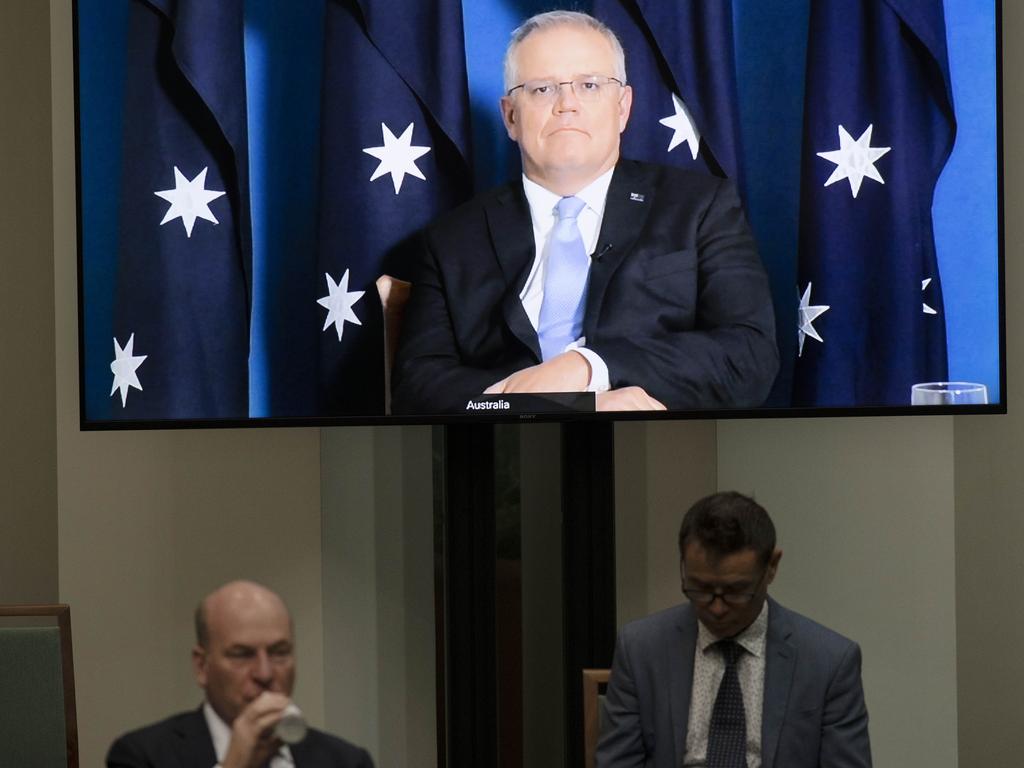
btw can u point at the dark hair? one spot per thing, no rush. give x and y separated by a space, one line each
727 522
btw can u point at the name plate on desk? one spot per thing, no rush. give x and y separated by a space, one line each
532 402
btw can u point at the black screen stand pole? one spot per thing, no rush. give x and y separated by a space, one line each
465 583
467 710
588 564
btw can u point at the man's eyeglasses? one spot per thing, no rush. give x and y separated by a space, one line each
703 597
588 89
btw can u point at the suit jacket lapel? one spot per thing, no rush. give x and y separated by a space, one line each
196 742
630 197
780 662
680 680
511 229
299 753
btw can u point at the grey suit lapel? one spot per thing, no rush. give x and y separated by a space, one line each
780 662
511 229
680 680
629 201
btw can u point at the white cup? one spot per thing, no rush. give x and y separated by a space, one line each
291 728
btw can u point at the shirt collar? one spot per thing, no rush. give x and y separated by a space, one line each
543 201
220 733
750 639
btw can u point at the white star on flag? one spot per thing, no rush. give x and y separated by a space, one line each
924 307
854 159
397 156
189 200
807 315
124 368
339 301
682 127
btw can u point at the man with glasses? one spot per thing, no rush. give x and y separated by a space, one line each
732 679
590 273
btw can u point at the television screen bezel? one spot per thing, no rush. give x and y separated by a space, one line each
491 417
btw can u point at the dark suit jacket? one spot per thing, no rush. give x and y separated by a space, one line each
813 716
678 301
183 741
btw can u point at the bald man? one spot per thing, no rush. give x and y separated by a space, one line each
244 660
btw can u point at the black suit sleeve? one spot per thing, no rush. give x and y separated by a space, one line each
707 337
354 757
126 754
322 750
433 371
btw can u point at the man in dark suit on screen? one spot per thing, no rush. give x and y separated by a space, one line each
592 273
244 660
732 679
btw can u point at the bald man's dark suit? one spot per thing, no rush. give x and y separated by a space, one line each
183 741
813 713
677 302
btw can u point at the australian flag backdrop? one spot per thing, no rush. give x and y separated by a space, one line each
878 128
680 60
181 343
394 155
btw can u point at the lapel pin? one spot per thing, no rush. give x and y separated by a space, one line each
636 197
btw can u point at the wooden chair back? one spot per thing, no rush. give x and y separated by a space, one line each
594 683
393 295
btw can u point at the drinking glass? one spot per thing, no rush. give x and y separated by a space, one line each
948 393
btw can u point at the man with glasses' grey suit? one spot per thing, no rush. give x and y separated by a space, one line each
732 679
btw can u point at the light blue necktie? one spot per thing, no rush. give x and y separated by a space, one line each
565 282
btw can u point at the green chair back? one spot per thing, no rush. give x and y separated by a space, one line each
37 715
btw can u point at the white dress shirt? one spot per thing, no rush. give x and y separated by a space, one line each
542 212
220 732
708 669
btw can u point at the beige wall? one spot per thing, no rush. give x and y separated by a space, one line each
378 543
990 493
28 442
865 514
660 469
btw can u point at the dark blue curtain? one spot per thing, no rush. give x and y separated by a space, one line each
181 319
878 128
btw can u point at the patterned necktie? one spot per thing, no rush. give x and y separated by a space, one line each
727 736
565 282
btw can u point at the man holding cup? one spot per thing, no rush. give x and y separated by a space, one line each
244 661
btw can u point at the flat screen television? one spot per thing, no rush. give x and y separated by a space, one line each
249 170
